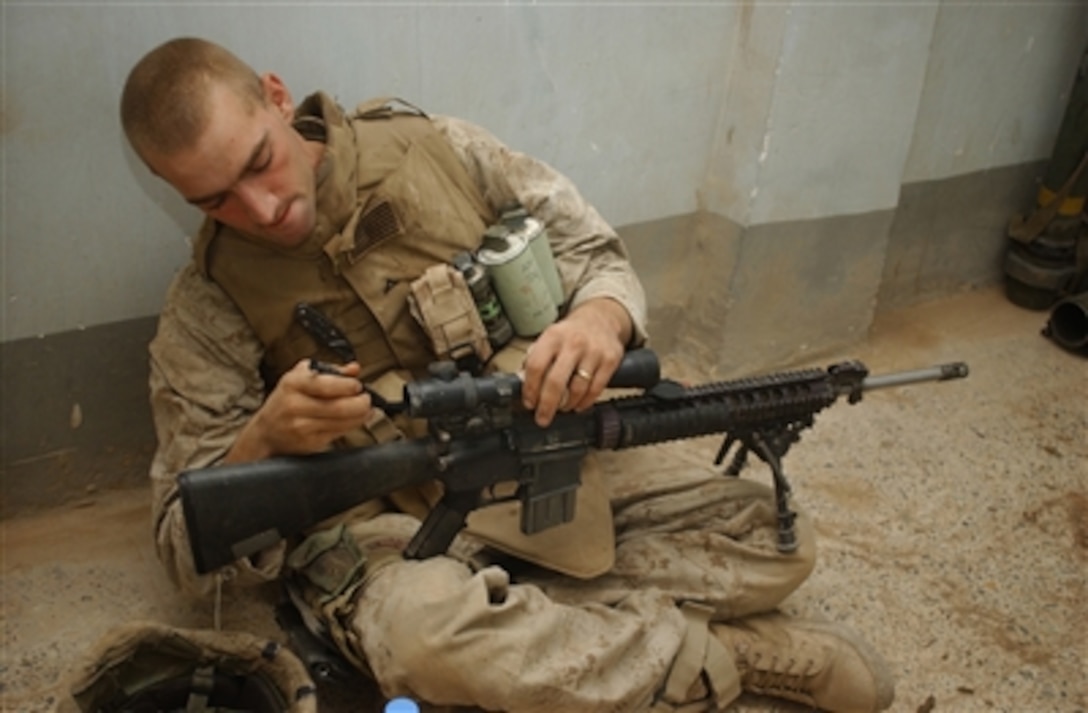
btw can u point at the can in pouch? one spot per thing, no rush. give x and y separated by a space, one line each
499 331
518 281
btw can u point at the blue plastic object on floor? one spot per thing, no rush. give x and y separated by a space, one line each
401 705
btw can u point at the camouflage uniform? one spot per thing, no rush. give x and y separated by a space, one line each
689 546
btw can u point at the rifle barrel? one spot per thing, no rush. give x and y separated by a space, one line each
942 372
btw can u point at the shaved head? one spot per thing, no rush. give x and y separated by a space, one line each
165 104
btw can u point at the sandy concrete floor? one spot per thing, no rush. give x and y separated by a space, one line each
953 524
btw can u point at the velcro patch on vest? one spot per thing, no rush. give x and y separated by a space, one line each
377 224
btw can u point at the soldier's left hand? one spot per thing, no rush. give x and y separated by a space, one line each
571 362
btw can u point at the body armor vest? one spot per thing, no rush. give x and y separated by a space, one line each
393 199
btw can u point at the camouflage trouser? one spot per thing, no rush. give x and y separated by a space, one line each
448 631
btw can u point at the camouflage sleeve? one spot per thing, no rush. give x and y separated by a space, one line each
205 384
591 258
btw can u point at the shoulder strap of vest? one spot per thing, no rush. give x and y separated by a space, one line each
385 107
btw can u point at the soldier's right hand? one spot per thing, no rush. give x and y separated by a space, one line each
305 413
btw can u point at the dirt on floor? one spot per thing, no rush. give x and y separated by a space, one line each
952 522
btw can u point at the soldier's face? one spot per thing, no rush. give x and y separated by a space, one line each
250 169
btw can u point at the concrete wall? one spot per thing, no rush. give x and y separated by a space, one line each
983 116
623 100
780 171
869 157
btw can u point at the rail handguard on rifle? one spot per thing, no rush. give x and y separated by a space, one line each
480 437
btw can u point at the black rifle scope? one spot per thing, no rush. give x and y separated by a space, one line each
450 392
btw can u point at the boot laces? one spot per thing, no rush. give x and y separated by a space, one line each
768 671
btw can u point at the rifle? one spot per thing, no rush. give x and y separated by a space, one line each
480 437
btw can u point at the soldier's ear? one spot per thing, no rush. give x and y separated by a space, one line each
278 95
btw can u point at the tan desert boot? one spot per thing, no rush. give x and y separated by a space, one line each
819 664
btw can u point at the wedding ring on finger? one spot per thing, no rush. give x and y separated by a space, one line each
583 373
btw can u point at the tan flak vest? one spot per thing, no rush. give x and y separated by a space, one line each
392 200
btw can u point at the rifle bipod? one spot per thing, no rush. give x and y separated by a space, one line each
769 446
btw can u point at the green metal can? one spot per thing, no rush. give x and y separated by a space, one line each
537 235
518 221
518 281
